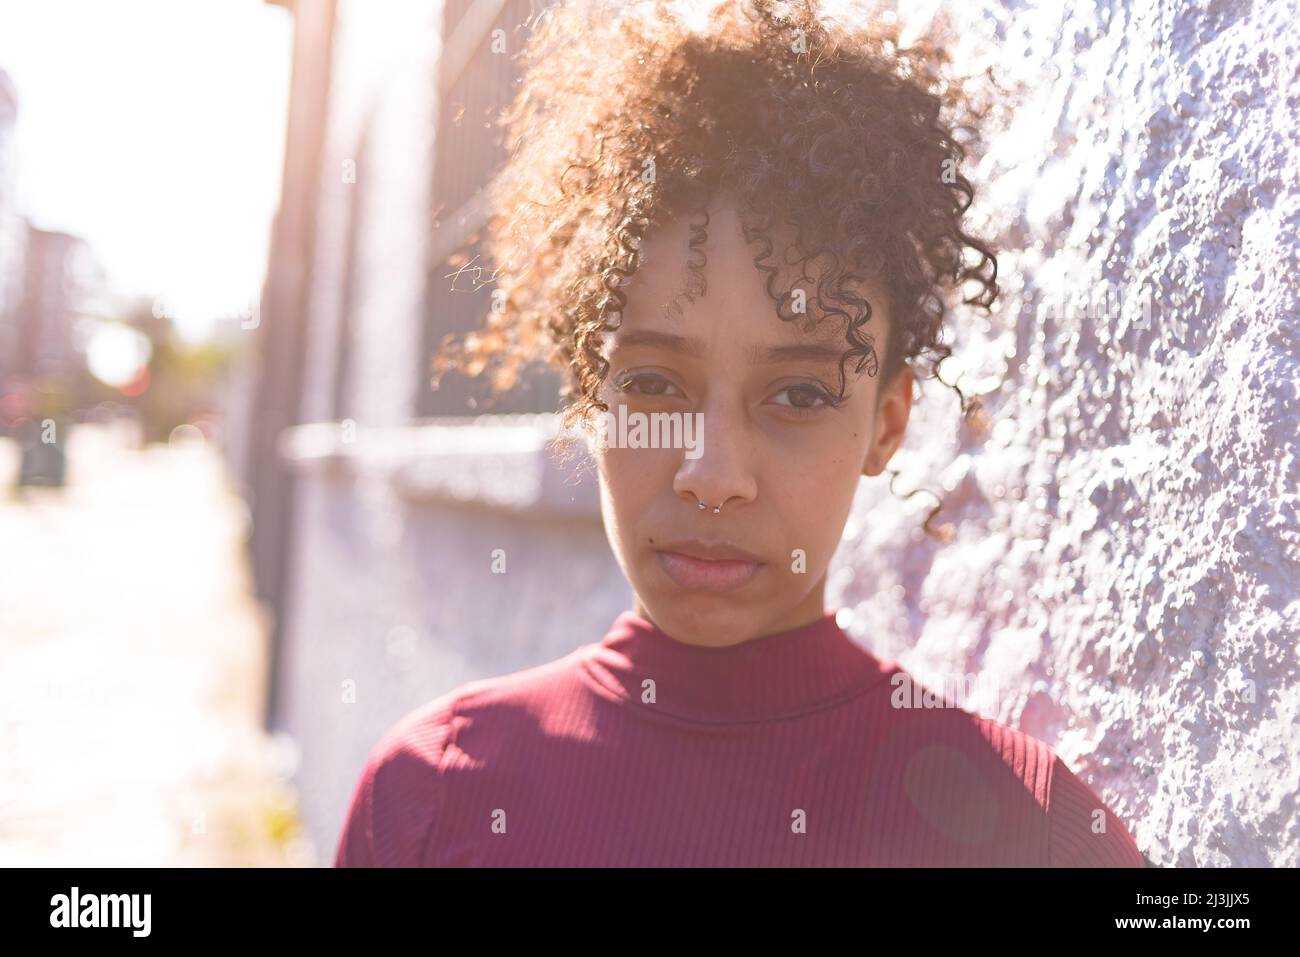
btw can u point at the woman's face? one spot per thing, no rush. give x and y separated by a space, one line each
780 459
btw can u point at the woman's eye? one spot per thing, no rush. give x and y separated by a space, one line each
647 383
805 397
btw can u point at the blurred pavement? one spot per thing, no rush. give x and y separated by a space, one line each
134 663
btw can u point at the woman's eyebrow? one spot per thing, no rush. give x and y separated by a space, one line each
797 352
800 351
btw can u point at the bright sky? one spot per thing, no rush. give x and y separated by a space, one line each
155 130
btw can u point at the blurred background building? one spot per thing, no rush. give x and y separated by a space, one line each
49 280
12 227
58 274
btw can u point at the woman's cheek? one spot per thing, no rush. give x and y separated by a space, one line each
629 476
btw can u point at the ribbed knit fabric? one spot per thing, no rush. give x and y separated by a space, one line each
784 750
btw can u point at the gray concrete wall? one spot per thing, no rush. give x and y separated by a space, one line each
399 593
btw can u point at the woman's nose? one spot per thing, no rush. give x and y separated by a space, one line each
724 469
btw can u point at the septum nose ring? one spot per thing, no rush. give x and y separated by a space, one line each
716 509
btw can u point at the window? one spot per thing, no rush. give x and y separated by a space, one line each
475 85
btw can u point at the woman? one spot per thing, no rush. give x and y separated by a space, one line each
751 226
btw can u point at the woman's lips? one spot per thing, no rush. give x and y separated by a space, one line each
707 575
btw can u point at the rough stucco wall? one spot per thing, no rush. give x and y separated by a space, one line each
1123 573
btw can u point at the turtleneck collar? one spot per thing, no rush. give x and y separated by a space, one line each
769 677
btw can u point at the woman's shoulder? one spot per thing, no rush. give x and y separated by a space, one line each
504 699
1078 828
1082 830
403 780
396 796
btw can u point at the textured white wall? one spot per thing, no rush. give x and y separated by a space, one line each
1125 563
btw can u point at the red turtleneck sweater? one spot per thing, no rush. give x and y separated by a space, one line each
784 750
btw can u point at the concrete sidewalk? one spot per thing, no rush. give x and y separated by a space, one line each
134 663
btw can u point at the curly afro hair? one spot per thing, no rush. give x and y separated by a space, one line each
627 117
